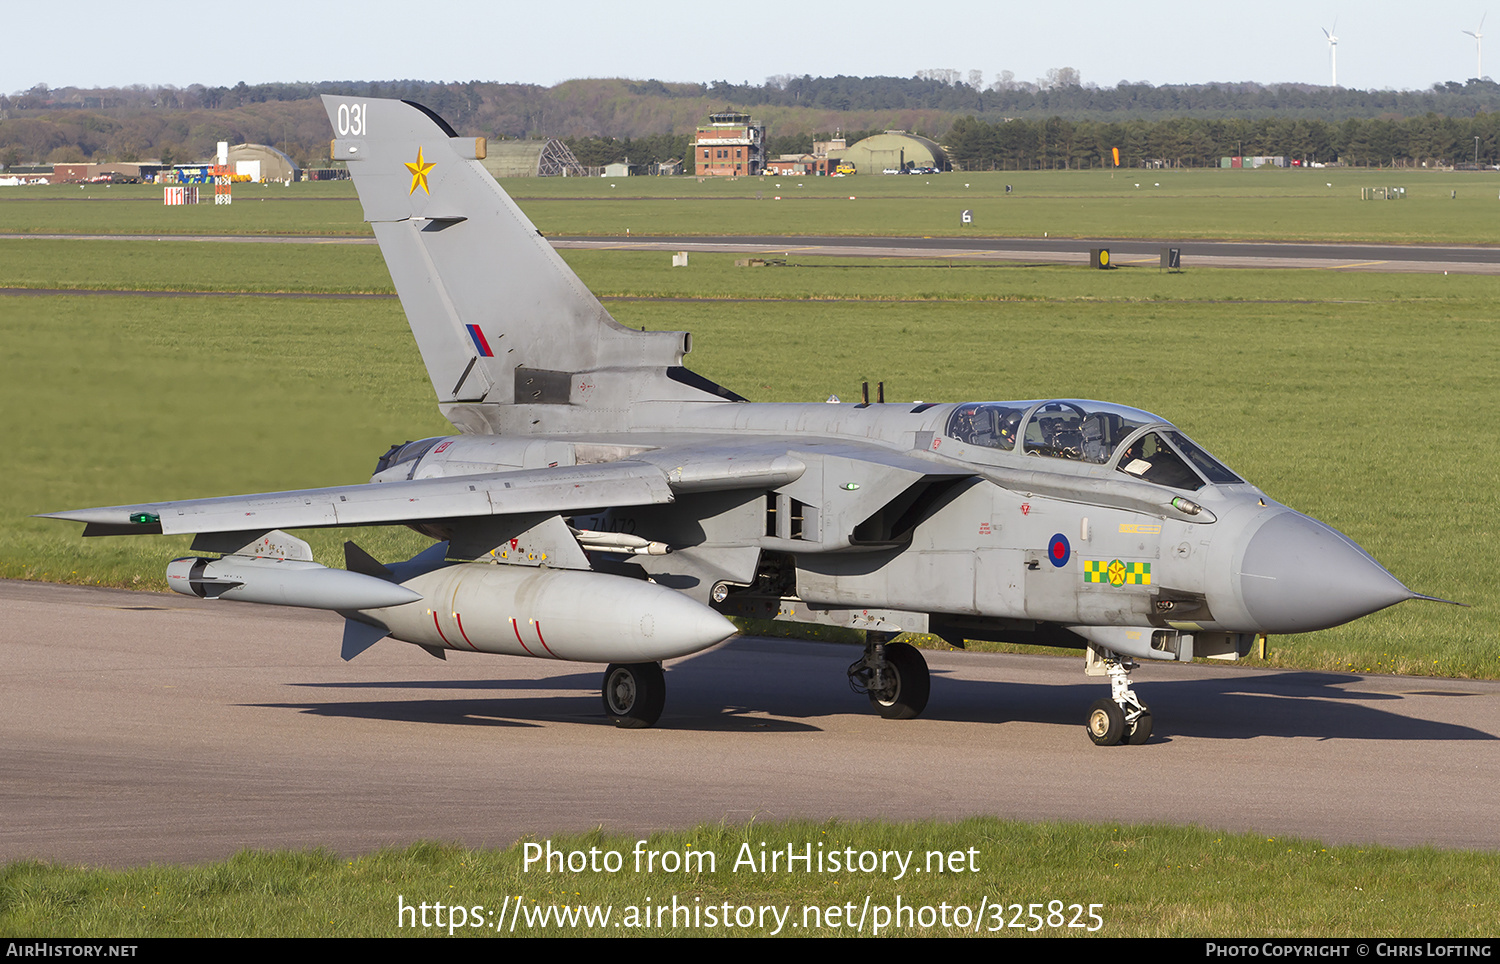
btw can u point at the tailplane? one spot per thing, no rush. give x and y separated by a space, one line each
497 314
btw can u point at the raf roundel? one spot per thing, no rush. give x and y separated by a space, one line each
1058 550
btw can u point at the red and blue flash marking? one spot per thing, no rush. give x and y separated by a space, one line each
1058 550
480 342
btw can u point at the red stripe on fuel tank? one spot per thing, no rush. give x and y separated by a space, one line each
538 624
460 619
515 629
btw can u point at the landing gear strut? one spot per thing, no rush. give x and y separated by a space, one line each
893 675
1122 717
634 694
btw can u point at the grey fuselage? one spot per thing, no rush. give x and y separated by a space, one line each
1002 540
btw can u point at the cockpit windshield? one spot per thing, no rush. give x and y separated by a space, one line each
1212 469
1169 458
1152 459
1093 432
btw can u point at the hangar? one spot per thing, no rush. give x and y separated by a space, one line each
543 158
892 150
262 163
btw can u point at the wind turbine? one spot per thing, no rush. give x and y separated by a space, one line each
1478 35
1333 49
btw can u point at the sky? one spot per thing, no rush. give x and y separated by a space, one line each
1382 43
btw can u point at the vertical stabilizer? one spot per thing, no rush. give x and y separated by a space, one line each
497 314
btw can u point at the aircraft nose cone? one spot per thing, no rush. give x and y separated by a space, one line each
1299 575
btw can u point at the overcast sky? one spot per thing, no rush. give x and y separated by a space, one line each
1382 43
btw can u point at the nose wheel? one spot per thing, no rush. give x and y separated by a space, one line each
1106 723
1122 718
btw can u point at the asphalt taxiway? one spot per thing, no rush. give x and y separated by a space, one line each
144 727
1124 252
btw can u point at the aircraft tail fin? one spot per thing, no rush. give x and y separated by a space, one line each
497 314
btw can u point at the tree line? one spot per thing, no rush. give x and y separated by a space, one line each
1055 122
1062 94
1057 143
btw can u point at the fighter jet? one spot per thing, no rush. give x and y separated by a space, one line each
601 502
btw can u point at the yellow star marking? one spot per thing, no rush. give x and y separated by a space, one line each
1117 573
419 173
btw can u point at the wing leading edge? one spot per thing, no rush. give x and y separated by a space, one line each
654 478
552 490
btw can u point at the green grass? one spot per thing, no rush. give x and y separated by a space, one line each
1186 204
192 266
1365 400
1201 883
315 208
175 265
1359 399
127 398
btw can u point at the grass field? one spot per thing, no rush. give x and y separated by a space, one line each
1343 395
1362 399
1199 883
1441 207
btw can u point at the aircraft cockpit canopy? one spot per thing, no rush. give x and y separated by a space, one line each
400 454
1095 432
1170 458
989 424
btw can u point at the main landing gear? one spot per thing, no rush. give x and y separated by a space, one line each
634 694
893 675
1122 717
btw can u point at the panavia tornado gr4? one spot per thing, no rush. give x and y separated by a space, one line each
601 502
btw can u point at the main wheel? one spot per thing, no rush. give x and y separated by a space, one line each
1106 723
1140 730
906 697
634 694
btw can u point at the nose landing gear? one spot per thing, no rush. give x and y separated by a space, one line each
1122 718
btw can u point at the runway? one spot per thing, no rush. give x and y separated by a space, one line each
144 727
1124 252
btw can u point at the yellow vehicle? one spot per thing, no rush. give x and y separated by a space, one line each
844 168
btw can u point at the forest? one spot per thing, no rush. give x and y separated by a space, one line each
1054 122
